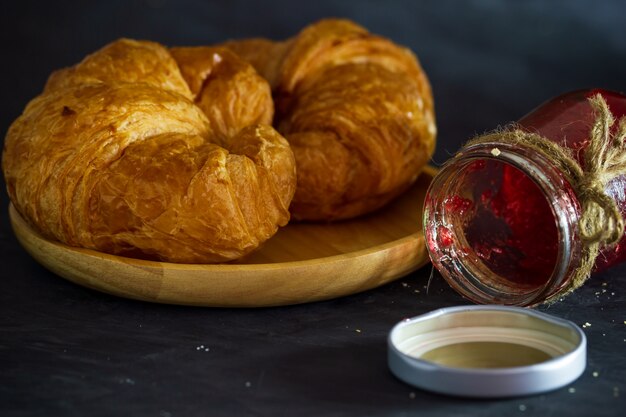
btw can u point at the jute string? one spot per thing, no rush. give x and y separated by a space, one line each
604 159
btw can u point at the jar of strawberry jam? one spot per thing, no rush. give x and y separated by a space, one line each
502 220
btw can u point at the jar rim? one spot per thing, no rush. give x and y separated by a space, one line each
461 272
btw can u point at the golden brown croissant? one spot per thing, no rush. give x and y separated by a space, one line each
115 155
357 110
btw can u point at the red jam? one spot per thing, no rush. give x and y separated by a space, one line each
523 206
514 232
458 204
500 225
532 238
567 120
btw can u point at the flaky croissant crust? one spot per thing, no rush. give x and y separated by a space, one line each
131 152
357 110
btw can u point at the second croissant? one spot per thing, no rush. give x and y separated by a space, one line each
357 110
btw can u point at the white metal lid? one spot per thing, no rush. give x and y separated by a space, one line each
487 351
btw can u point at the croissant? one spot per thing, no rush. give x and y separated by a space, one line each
357 111
133 153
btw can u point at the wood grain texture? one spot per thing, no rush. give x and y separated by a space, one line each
304 262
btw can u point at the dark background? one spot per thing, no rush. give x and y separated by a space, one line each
66 350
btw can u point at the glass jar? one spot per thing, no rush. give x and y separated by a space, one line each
501 220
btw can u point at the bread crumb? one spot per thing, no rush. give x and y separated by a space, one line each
522 407
571 390
358 330
248 384
412 395
595 374
495 152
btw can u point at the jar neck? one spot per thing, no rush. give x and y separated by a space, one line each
461 258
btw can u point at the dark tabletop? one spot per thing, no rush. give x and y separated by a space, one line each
67 350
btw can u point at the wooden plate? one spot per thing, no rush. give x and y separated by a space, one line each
303 262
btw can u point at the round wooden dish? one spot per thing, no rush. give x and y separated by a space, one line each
303 262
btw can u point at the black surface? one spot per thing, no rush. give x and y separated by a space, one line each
66 350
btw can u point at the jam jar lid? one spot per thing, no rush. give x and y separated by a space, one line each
487 351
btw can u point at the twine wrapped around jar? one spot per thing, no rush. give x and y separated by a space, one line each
603 160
